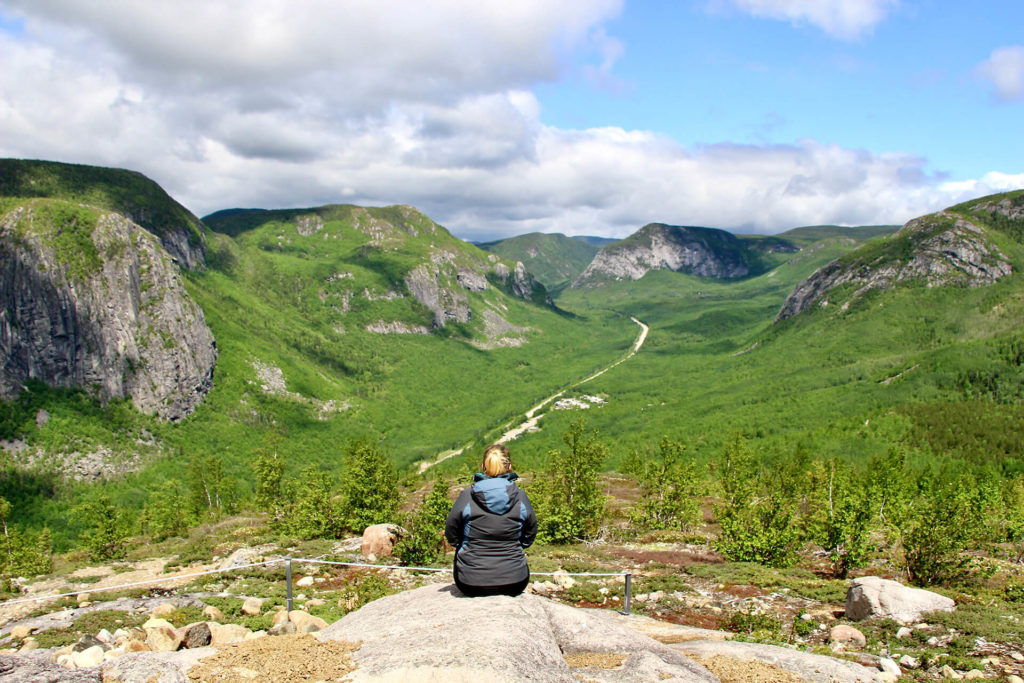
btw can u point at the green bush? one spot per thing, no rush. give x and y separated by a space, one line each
369 487
569 504
425 540
671 488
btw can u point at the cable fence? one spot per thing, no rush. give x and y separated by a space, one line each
289 561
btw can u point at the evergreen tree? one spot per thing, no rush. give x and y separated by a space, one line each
314 513
369 487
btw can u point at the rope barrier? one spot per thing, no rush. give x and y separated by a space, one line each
142 583
289 561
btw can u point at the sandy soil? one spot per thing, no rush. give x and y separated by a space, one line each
734 671
282 659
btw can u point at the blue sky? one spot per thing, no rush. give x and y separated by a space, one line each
582 116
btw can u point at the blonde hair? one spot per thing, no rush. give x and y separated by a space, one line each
496 460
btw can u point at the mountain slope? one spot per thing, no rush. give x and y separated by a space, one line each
705 252
553 258
952 247
90 299
111 189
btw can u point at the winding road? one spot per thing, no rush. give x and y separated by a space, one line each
533 415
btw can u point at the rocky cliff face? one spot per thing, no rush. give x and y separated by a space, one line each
90 299
939 249
704 252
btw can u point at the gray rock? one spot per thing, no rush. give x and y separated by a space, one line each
154 667
36 667
698 251
124 325
87 641
196 635
874 597
810 667
434 633
946 250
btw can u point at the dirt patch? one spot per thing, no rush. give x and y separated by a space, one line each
734 671
742 591
677 558
595 660
283 659
694 618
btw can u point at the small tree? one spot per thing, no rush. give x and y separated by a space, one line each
314 513
570 506
670 485
759 524
1013 496
425 540
268 468
106 531
941 526
24 552
847 520
369 487
164 515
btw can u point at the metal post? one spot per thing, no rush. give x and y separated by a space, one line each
288 581
629 593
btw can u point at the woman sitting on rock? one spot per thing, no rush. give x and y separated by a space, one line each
489 525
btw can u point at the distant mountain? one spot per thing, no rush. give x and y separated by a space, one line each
553 258
959 246
705 252
413 256
596 241
90 297
812 234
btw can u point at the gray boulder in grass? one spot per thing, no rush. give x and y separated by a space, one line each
873 597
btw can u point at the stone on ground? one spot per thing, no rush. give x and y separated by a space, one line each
434 633
212 613
195 635
874 597
379 540
848 636
252 606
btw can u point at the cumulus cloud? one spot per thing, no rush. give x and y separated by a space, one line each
1004 69
274 108
843 19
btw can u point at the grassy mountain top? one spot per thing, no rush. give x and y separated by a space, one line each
553 258
110 189
807 235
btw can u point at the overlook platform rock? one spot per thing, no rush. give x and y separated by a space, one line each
434 633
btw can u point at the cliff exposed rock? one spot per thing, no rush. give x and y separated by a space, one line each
90 299
944 248
704 252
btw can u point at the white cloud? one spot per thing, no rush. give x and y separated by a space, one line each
1004 69
844 19
305 109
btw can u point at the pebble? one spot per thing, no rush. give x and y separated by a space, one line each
909 662
949 672
904 632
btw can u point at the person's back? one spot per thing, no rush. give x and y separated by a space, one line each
490 524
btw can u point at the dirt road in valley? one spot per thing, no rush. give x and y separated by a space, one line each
532 416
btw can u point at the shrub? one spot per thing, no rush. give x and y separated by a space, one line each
425 541
755 528
570 506
104 538
940 527
670 485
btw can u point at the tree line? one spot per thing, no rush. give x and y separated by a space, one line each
927 520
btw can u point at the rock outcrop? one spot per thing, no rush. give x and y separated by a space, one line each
805 665
939 249
705 252
873 597
90 299
433 633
